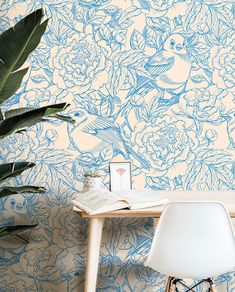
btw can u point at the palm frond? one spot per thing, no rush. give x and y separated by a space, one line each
16 44
7 191
20 119
13 230
9 170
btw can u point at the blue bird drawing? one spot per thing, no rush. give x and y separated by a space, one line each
109 133
97 132
170 70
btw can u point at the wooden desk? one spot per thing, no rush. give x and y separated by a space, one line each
96 223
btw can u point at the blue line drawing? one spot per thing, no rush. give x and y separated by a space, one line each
169 69
148 81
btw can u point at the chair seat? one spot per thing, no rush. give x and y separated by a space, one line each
193 240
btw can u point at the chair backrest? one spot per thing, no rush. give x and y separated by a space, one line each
193 240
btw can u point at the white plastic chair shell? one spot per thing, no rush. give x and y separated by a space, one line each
193 240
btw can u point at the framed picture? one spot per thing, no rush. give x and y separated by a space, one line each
120 176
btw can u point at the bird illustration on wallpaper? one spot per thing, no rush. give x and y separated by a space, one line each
102 132
170 70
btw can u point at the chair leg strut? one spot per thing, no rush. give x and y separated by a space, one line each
171 285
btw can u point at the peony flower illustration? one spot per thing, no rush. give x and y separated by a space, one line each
92 3
159 8
81 64
203 104
16 283
221 62
19 147
66 234
166 144
41 262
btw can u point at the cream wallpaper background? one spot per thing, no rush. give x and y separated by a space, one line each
149 81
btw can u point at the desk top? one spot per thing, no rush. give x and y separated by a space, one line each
226 197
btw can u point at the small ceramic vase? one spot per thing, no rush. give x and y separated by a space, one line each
91 183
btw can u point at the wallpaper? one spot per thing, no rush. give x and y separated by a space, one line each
149 81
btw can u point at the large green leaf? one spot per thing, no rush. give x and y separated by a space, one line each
7 191
16 44
12 230
28 117
10 170
12 83
18 111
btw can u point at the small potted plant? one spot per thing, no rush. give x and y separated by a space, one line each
92 180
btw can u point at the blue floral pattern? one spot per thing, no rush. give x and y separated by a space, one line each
148 81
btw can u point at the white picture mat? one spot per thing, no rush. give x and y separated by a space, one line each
120 176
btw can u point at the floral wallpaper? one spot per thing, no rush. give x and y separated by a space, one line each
149 81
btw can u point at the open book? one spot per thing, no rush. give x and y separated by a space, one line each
101 201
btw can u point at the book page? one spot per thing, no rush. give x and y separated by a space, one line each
94 201
145 198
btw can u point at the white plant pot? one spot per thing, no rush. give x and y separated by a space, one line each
91 183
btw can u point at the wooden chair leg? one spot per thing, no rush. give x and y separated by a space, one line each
168 284
212 288
172 287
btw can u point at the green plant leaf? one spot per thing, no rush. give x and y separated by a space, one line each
7 191
64 118
17 111
29 117
12 84
1 115
16 44
10 170
55 108
12 230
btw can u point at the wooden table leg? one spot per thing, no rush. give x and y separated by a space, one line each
94 240
155 222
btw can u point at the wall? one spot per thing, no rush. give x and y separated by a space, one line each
148 81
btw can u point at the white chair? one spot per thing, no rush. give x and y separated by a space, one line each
193 240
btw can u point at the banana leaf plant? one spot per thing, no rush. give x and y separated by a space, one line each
16 44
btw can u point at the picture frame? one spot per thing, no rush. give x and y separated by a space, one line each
120 176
